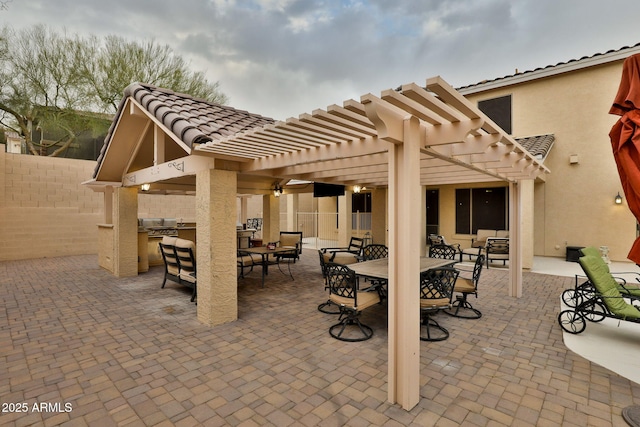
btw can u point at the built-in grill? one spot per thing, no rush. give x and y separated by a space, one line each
159 226
163 231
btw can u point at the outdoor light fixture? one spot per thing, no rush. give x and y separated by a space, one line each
618 199
277 190
145 187
357 189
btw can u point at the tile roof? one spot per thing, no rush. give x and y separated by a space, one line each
193 120
539 145
612 52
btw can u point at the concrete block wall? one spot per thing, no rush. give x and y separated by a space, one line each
44 209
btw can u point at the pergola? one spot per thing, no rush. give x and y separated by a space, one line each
402 140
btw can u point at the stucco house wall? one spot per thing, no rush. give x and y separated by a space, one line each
575 206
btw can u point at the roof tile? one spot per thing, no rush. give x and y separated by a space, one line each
193 120
539 145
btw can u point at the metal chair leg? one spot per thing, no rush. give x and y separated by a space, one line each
350 319
329 307
434 332
463 309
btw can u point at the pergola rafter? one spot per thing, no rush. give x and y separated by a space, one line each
401 140
344 143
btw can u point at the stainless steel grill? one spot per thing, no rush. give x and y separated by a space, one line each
163 231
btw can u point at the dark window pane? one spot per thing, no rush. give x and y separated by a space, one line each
361 202
489 208
433 211
498 110
463 211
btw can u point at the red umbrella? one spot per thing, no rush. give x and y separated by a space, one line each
625 139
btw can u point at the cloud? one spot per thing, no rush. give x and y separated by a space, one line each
281 58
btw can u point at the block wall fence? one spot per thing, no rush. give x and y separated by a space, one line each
45 211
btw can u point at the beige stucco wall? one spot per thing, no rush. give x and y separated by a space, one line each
575 205
44 209
167 206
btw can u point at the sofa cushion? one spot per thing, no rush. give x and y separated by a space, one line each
481 237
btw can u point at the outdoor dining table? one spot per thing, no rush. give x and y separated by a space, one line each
379 268
264 253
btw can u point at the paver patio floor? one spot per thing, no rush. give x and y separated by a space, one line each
125 352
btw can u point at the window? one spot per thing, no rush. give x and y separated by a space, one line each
433 211
361 211
484 208
498 110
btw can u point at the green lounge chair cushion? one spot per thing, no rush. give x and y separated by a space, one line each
590 251
598 273
628 290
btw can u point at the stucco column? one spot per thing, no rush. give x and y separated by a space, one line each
344 219
270 218
379 216
216 246
292 212
125 232
243 209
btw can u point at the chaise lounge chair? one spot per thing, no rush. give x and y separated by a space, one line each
606 300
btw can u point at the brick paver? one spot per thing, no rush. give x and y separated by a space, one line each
125 352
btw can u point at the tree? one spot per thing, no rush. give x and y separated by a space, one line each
56 84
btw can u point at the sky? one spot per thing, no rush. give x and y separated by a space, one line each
283 58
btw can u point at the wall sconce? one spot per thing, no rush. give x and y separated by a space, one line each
618 199
145 187
357 189
277 190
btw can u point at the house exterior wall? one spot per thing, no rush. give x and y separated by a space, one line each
575 206
447 195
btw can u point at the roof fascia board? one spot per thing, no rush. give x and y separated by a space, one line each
113 133
184 166
550 71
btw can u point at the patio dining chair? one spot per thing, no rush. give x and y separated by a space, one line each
465 286
185 252
343 291
328 307
247 261
374 251
438 239
171 266
352 251
371 252
436 290
293 240
442 251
